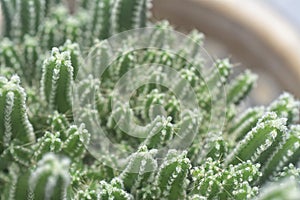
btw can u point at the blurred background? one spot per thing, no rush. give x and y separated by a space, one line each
261 35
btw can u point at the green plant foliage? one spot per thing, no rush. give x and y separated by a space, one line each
213 181
57 81
177 151
15 126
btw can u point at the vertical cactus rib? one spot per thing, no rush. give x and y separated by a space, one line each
76 142
8 11
245 122
286 106
171 179
125 14
213 181
240 87
261 141
9 55
14 123
139 168
23 17
141 13
50 142
288 152
50 180
59 123
75 55
31 52
113 190
160 132
57 79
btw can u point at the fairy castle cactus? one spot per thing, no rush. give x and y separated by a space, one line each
170 181
57 80
180 135
213 181
14 123
50 179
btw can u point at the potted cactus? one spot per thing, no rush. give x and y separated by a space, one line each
104 104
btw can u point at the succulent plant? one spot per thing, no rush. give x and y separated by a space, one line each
174 137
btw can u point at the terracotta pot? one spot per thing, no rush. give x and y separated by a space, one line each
250 30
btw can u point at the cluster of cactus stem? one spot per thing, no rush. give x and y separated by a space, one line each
43 152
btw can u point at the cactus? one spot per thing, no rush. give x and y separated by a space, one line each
113 190
75 55
23 17
31 51
286 106
240 87
50 179
57 80
9 55
171 179
48 143
213 181
245 122
166 146
261 141
286 189
288 152
140 167
14 122
58 123
76 142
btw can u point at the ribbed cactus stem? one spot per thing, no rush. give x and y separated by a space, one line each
171 179
59 123
113 190
286 106
21 154
139 168
50 180
288 152
8 11
151 102
31 52
71 29
245 122
57 79
75 54
220 74
194 44
24 16
125 14
213 181
100 25
261 141
50 142
160 132
288 171
141 13
50 37
287 189
14 123
9 55
240 87
77 141
216 148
